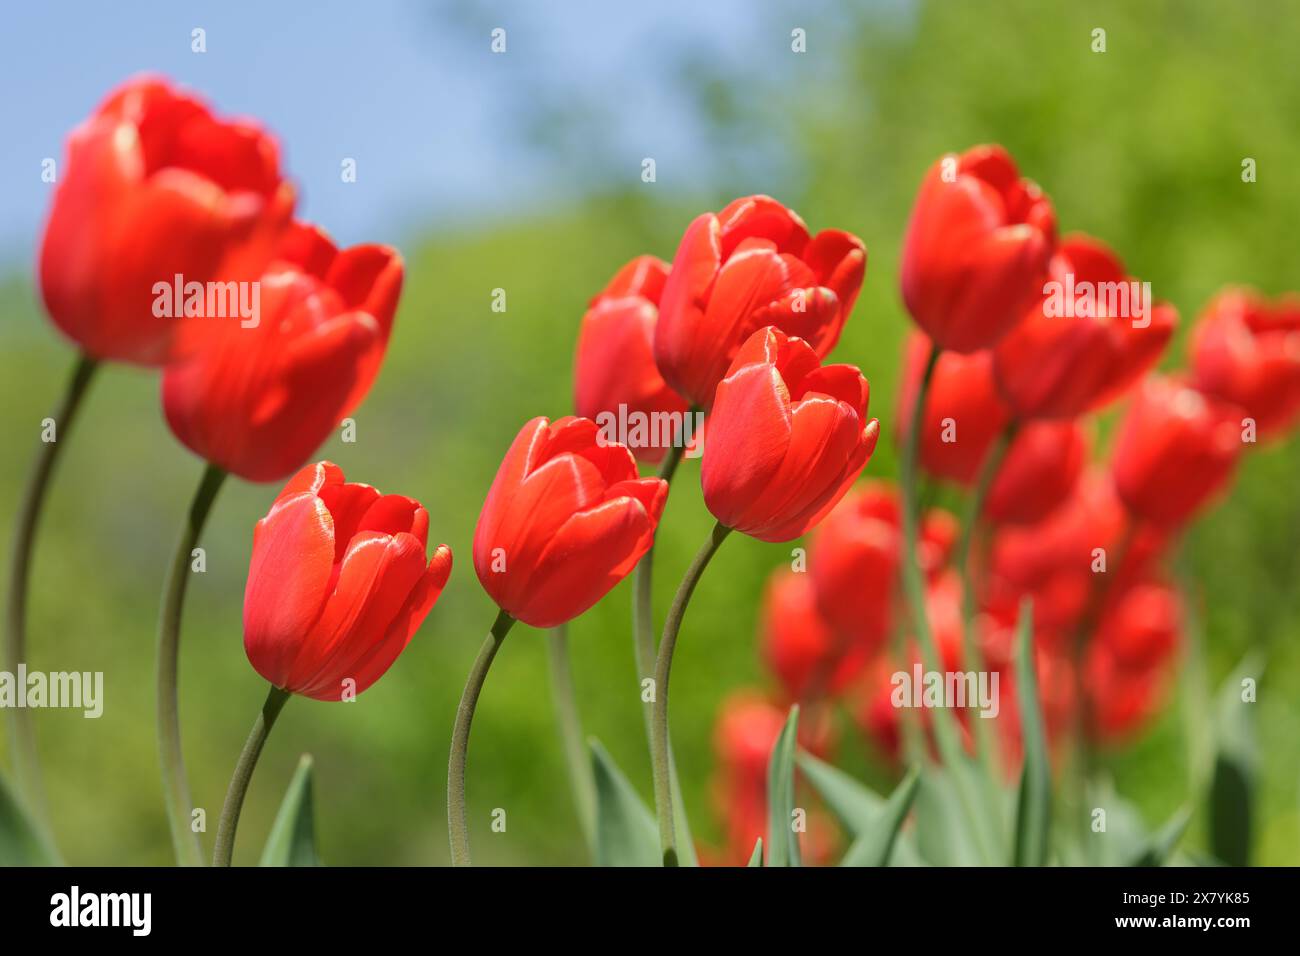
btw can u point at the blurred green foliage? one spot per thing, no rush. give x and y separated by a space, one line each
1141 145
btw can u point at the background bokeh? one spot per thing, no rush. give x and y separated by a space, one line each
522 171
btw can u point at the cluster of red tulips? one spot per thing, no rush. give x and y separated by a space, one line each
997 395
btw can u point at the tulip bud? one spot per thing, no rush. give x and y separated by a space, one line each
1092 333
976 249
749 266
1176 449
155 187
1246 350
566 519
787 438
259 400
614 371
338 584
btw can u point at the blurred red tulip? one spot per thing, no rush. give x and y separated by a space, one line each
787 438
615 363
808 656
566 519
259 400
749 266
854 561
1041 467
1246 350
338 584
976 250
1176 449
155 187
963 413
1055 365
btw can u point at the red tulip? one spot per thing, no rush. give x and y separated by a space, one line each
787 438
1041 467
154 187
565 520
1061 365
257 401
1246 350
963 412
615 365
1176 449
749 266
976 249
854 561
338 584
806 654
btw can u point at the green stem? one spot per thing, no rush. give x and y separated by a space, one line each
945 729
457 826
22 735
576 757
643 633
659 742
971 652
176 787
229 823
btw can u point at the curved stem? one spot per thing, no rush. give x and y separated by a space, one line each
457 826
643 635
945 728
22 736
576 757
659 743
247 763
176 787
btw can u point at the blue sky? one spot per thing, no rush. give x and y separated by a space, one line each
438 125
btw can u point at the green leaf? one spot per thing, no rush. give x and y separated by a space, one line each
1233 784
21 842
942 836
293 834
1160 845
783 842
756 858
874 846
854 805
1034 805
626 831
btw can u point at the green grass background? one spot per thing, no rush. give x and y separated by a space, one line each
1141 145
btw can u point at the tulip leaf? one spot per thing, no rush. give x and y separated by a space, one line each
21 841
293 834
874 845
1160 845
756 858
854 805
1034 804
626 832
1232 786
783 841
943 837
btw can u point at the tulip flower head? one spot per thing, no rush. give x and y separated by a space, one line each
1177 448
1042 465
155 187
1074 353
801 648
338 584
749 266
615 371
787 438
259 400
1246 350
976 249
566 519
